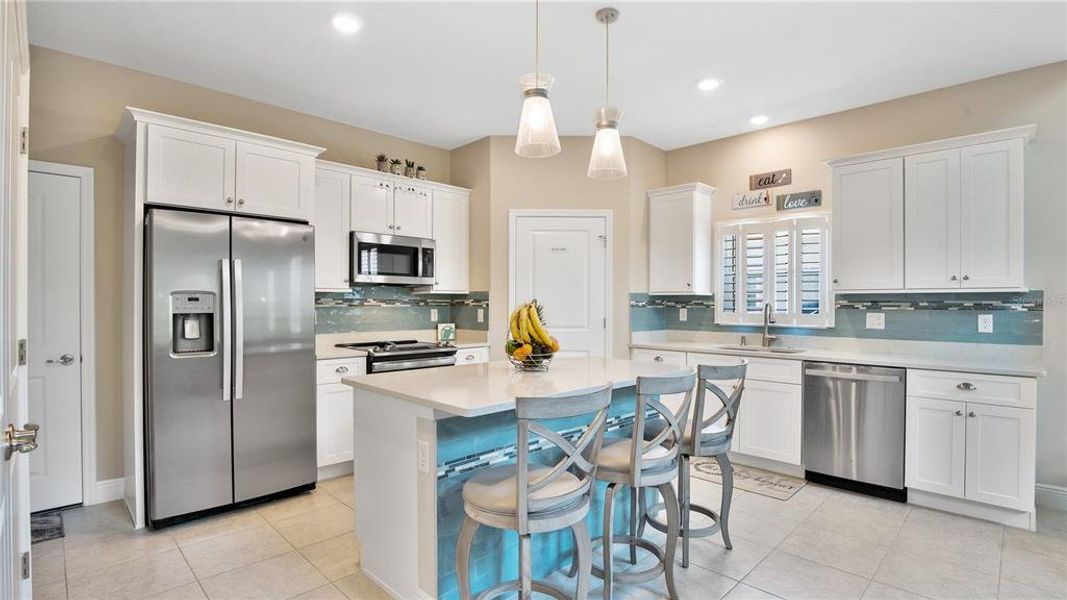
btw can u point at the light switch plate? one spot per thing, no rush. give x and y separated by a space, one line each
433 315
875 320
424 457
985 323
481 315
683 314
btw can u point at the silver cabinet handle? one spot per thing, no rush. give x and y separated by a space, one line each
971 414
966 387
341 369
959 413
65 360
227 333
238 331
22 440
658 358
469 357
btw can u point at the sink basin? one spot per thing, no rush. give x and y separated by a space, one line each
770 350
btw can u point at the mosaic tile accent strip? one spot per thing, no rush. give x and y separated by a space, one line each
395 308
1033 301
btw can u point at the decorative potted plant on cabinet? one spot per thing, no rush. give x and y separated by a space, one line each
383 163
420 172
396 167
409 168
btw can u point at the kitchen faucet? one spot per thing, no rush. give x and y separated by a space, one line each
768 339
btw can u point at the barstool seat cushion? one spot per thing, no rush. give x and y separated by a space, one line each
615 456
495 490
712 436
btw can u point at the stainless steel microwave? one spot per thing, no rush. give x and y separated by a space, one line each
392 259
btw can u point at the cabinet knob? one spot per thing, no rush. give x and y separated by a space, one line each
240 202
966 387
835 279
398 228
953 278
688 285
959 413
341 369
229 199
971 414
469 357
390 226
966 277
658 359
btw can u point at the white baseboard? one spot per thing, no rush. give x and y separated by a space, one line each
1051 496
336 470
107 490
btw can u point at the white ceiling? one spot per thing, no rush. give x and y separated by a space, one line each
445 73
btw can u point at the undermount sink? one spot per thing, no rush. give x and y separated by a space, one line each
770 350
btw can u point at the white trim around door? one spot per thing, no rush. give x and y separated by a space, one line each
609 257
87 288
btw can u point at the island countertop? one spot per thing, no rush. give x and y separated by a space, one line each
474 390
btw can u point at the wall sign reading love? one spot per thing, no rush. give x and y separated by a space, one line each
799 200
771 179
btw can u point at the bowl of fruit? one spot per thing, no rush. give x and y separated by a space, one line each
530 347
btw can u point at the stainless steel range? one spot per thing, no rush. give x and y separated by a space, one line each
404 355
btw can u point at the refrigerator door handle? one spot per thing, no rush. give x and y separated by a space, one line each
238 332
227 340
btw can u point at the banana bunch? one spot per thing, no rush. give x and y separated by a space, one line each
528 334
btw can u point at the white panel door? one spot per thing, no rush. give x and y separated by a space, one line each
992 234
562 262
334 436
372 205
330 217
54 356
1000 456
769 421
451 216
187 168
932 220
670 242
935 446
412 211
868 226
274 182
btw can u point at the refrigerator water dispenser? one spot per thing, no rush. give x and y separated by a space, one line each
192 323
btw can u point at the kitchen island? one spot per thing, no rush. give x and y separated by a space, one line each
421 434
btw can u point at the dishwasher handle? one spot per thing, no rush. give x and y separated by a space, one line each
852 376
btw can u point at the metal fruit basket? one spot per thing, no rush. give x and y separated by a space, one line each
533 362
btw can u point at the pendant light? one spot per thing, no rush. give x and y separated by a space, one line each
537 137
607 160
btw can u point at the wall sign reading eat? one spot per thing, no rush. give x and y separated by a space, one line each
771 179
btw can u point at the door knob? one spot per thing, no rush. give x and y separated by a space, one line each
20 440
65 360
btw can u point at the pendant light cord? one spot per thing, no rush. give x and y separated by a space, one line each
607 61
537 43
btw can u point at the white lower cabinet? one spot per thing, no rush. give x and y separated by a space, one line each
769 421
1001 456
334 429
935 446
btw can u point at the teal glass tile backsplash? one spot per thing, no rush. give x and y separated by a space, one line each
1018 318
395 308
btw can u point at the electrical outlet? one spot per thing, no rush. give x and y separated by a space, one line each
433 315
985 323
683 314
424 457
481 315
875 320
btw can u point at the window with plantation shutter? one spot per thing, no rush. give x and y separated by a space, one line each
729 268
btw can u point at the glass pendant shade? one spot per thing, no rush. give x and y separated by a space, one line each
537 137
607 160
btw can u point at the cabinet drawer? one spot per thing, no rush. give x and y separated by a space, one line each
668 357
970 387
331 371
472 356
759 369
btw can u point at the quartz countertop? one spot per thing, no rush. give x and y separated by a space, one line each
913 361
473 390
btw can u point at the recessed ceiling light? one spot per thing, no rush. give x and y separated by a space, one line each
759 119
706 85
346 23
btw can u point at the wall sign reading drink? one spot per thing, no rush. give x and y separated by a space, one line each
751 199
771 179
799 200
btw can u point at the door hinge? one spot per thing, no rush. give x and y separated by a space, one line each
25 565
604 322
603 240
24 140
22 353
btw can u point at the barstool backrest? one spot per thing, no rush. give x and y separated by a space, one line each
709 377
579 457
649 389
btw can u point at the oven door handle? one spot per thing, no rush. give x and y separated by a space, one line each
403 365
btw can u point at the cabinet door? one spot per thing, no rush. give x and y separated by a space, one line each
868 226
935 446
372 205
450 226
670 244
330 218
412 211
334 440
992 234
769 420
187 168
274 182
932 220
1000 456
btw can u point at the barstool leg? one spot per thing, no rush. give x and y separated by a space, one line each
525 568
574 555
642 513
634 492
727 471
584 563
609 502
683 496
463 557
670 502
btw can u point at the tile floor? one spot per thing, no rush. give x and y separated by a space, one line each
820 544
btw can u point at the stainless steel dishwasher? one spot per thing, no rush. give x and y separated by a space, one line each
854 428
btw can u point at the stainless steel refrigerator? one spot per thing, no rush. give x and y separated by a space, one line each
230 361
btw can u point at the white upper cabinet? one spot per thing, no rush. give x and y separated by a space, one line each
992 230
932 220
372 205
680 239
274 182
868 226
412 210
330 214
451 214
189 168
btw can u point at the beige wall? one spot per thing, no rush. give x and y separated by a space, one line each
1036 95
471 169
75 108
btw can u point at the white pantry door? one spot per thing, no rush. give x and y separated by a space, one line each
562 261
54 352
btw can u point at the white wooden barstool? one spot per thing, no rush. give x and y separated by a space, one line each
532 499
642 462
